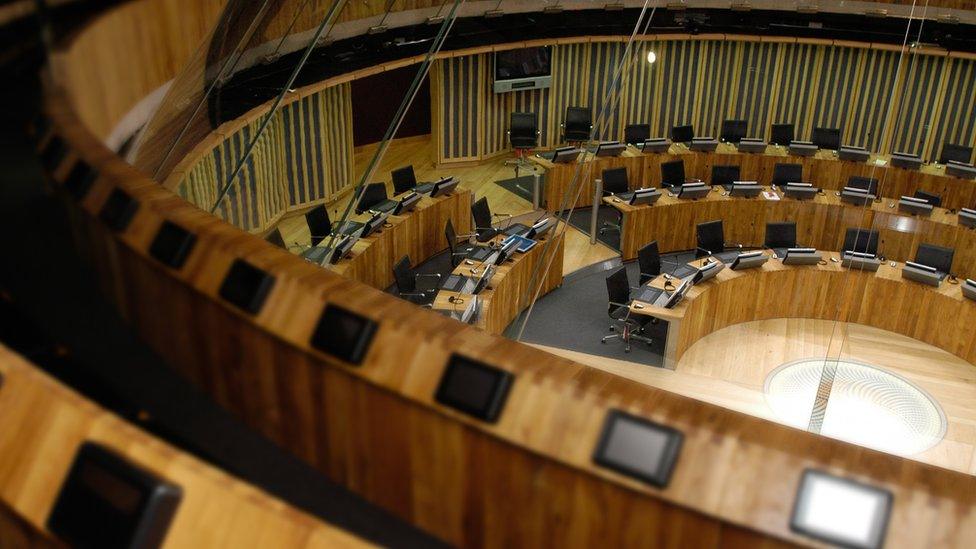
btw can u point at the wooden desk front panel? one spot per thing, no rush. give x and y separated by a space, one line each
559 178
419 234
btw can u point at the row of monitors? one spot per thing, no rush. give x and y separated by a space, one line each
128 502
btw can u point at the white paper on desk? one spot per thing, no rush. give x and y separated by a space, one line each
770 195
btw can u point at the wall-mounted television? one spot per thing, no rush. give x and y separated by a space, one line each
523 69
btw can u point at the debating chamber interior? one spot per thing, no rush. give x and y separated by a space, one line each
488 273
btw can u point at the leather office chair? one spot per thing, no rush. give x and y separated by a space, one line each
711 238
787 173
684 133
319 224
781 134
724 175
938 257
459 251
578 124
274 237
614 182
373 195
733 130
826 138
483 226
869 184
637 133
407 283
404 179
932 199
780 235
959 153
649 260
523 136
673 173
863 241
625 326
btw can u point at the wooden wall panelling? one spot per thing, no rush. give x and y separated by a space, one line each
917 100
955 118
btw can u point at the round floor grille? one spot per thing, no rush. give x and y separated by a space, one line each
868 406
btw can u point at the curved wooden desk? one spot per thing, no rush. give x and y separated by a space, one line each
511 289
820 222
824 170
939 316
419 234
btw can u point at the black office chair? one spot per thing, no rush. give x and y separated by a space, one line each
483 226
781 134
614 182
618 290
649 260
523 136
958 153
373 195
404 179
408 286
869 184
274 237
733 130
578 124
787 173
684 133
780 235
637 133
673 173
724 175
459 251
711 238
932 199
938 257
319 224
826 138
863 241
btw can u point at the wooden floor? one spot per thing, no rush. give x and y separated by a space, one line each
729 368
479 178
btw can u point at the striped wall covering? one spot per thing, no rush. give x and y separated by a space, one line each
703 82
303 158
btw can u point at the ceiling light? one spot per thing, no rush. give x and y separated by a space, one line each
651 57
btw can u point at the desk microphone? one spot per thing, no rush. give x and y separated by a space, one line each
708 253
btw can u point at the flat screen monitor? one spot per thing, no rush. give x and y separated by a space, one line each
342 248
748 260
407 204
706 272
746 189
444 186
800 191
541 227
373 224
841 511
682 134
106 501
638 448
677 295
610 148
474 388
565 155
826 138
506 251
673 173
344 334
694 191
523 63
645 196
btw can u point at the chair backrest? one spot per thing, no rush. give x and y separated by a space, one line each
451 235
319 224
618 288
404 276
275 238
733 130
373 194
932 199
578 122
826 138
711 236
861 240
673 173
404 179
781 134
481 213
615 180
724 174
959 153
637 133
781 235
682 134
649 259
867 183
786 173
939 257
523 130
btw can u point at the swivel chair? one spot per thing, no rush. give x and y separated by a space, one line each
733 130
780 236
374 197
673 173
826 138
614 182
483 226
404 179
319 224
408 288
578 125
711 238
937 257
864 241
637 133
523 136
683 134
618 290
274 237
458 251
932 199
787 173
649 260
781 134
724 175
869 184
957 153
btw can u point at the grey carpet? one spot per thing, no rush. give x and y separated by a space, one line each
522 186
580 218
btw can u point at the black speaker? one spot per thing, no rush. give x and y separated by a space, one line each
172 245
344 334
474 388
80 180
246 286
118 210
106 501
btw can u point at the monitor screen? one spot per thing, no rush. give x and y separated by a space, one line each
841 511
523 63
474 388
638 448
344 334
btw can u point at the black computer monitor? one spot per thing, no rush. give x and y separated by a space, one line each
724 175
677 295
826 138
733 131
444 186
956 153
861 240
683 134
673 173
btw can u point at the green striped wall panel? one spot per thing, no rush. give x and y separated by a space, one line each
955 121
